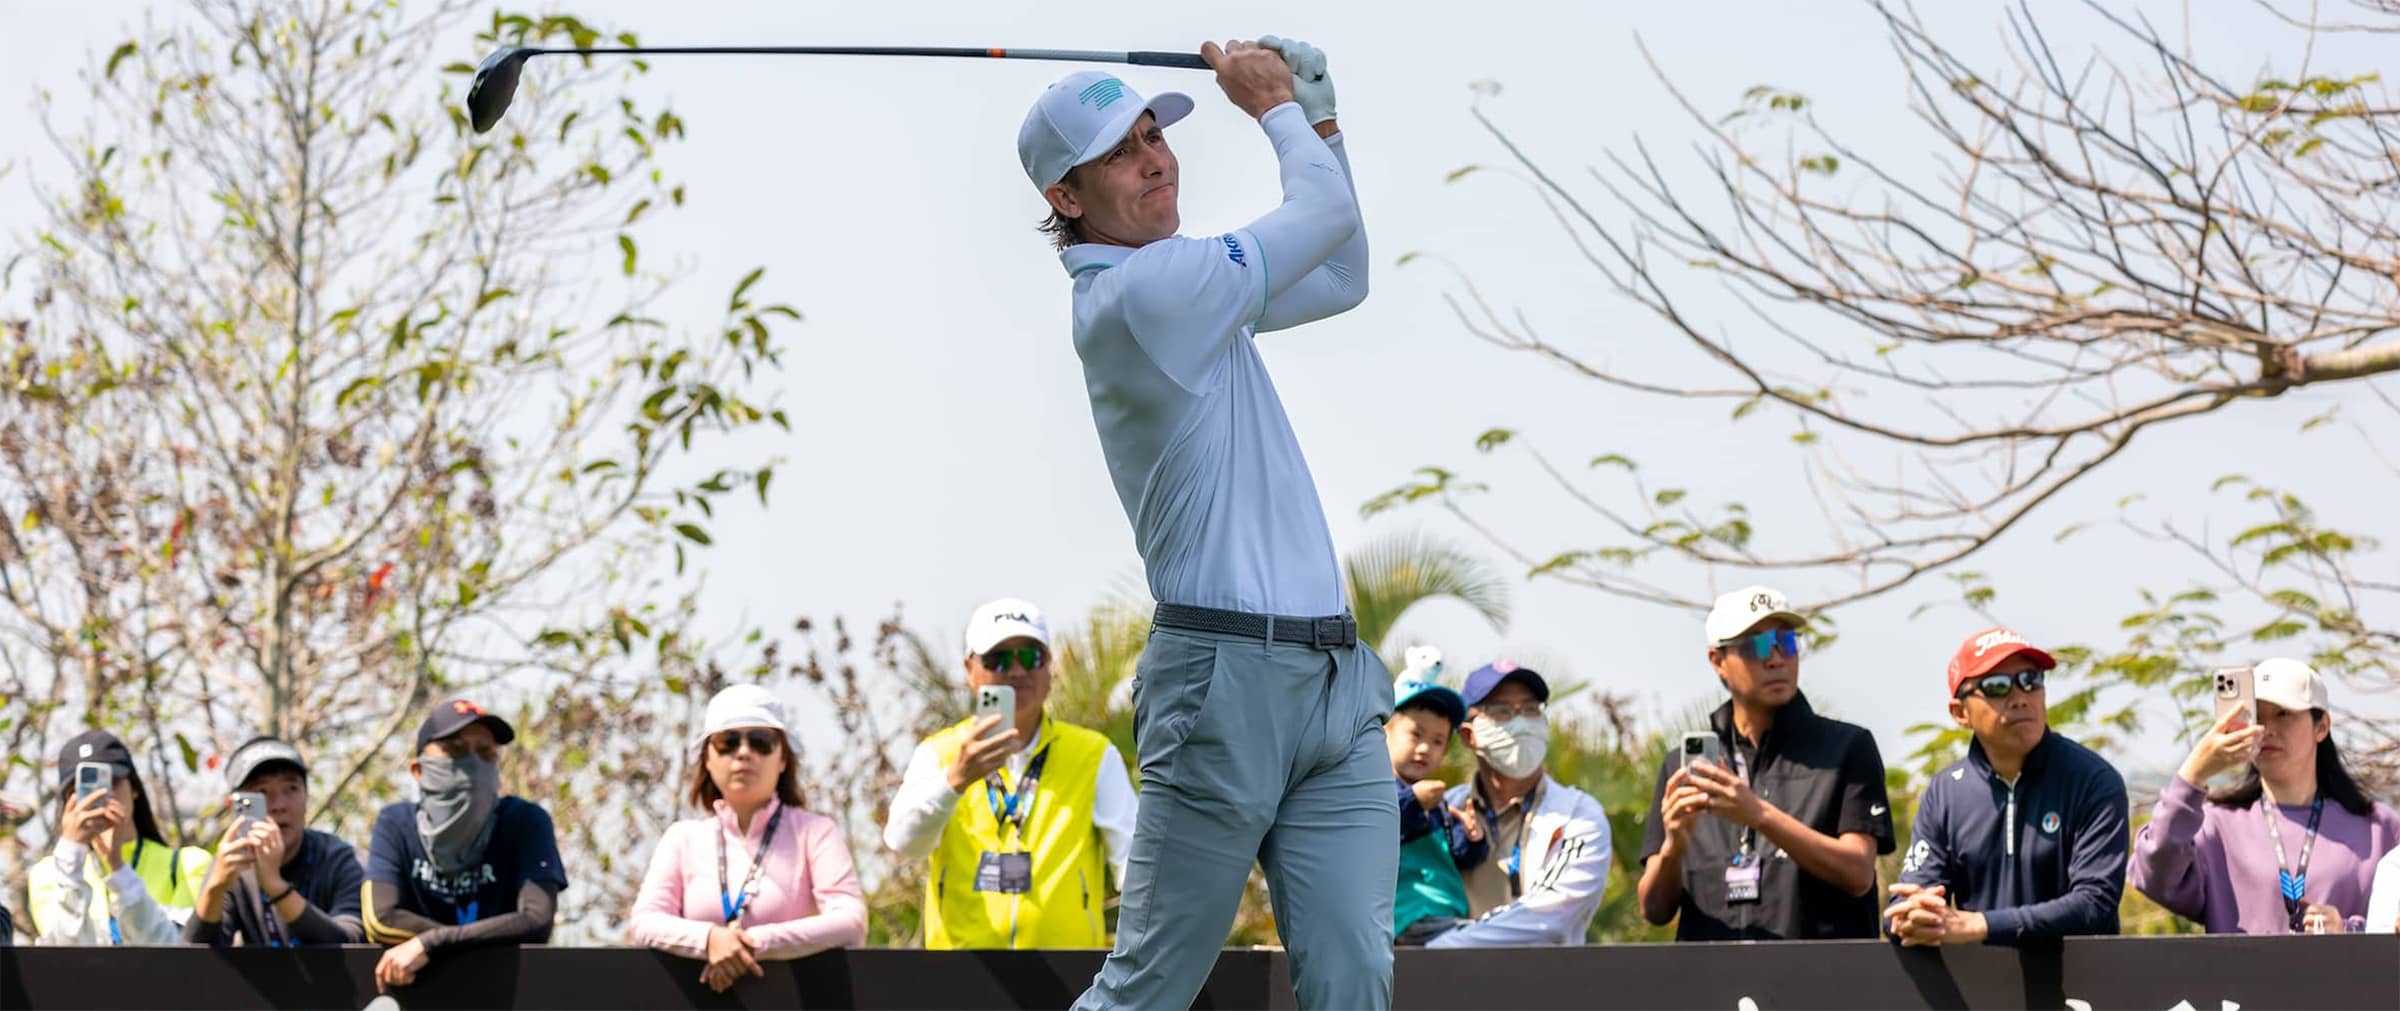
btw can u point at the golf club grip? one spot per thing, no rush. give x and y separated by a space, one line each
1152 58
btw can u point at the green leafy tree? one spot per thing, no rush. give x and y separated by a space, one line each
324 405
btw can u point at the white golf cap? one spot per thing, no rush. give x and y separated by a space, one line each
1004 619
741 706
2288 683
1735 612
1081 117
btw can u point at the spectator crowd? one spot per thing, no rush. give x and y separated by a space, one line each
1763 825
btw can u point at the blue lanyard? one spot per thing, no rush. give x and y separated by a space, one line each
727 900
1007 814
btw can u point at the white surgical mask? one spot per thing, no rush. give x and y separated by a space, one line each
1513 749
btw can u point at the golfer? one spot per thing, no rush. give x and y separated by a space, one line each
1258 715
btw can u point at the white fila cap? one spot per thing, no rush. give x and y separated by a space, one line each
1004 619
1083 116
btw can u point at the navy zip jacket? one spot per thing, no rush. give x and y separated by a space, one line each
2044 857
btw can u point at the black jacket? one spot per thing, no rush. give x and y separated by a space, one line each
326 873
1826 774
2044 857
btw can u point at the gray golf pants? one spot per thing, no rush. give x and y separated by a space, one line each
1268 752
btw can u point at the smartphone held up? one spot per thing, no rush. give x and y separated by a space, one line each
997 700
2236 692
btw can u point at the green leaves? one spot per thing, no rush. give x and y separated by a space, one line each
739 290
123 52
625 242
1493 439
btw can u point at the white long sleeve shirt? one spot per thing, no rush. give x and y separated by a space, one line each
1565 847
69 913
1204 459
924 803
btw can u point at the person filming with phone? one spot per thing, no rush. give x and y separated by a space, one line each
1025 820
2292 845
112 879
2024 838
276 881
1776 841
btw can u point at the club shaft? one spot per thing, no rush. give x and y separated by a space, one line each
1142 58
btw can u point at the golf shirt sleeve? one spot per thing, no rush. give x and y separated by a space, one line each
1185 300
921 806
1928 860
1866 801
1335 287
2095 874
1113 804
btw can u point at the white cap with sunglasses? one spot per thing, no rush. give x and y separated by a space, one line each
742 706
1004 619
1736 612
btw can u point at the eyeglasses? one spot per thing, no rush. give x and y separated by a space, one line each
2000 686
1765 644
763 741
1027 659
1505 713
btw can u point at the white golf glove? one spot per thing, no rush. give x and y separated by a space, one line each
1311 85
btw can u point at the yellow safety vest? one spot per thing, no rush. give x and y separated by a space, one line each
1061 908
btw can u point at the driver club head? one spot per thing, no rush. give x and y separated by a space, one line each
495 85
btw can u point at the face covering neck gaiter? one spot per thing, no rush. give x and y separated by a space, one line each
1513 749
456 797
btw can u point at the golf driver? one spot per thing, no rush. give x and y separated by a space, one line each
495 82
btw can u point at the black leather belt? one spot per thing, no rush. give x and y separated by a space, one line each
1338 631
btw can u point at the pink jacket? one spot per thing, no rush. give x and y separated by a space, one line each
808 897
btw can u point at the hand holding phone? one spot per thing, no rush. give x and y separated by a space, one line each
2229 743
90 813
993 737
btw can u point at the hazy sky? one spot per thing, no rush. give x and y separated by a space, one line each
945 453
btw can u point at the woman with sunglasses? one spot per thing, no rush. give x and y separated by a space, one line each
756 877
2292 846
2022 839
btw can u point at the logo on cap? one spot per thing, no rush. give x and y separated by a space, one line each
1102 93
1762 601
83 751
1012 617
464 707
1997 637
2050 823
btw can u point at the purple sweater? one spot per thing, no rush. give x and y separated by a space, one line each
2217 865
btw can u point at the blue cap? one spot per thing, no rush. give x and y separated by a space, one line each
1445 699
1493 675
